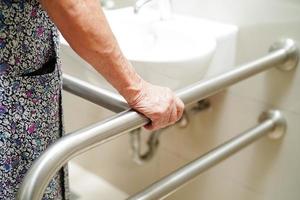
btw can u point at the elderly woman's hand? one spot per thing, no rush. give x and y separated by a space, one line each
157 103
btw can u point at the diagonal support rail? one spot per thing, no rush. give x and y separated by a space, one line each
271 122
284 54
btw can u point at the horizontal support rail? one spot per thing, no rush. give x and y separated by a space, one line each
43 169
99 96
273 121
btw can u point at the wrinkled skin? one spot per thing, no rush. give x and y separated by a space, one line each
159 104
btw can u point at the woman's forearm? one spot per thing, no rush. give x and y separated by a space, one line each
84 26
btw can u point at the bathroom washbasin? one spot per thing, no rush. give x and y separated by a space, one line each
174 52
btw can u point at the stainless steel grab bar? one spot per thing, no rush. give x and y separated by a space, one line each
99 96
283 54
270 122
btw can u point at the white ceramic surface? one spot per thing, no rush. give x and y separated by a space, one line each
172 52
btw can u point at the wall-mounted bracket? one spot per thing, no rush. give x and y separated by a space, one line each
292 50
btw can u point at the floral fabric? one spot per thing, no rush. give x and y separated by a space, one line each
30 94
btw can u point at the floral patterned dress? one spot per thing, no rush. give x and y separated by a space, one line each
30 94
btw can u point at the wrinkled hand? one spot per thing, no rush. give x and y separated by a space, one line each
159 104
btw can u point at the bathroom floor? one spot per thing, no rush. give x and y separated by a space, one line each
86 186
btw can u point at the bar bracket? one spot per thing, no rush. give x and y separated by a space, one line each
281 125
271 122
292 59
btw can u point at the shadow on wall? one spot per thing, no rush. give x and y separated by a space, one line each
262 165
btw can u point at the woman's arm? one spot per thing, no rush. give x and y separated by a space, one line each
84 26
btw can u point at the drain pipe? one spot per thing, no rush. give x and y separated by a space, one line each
153 140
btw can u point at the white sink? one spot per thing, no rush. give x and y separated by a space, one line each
173 53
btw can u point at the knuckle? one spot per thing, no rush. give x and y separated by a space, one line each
174 119
173 122
155 116
180 105
159 113
163 110
179 113
169 90
172 100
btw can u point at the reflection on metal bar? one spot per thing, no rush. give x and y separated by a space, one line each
99 96
169 184
36 180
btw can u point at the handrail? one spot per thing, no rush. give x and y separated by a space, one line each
271 121
44 168
99 96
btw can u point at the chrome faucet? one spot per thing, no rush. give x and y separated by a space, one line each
165 7
139 4
108 4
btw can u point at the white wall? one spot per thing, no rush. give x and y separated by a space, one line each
265 170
